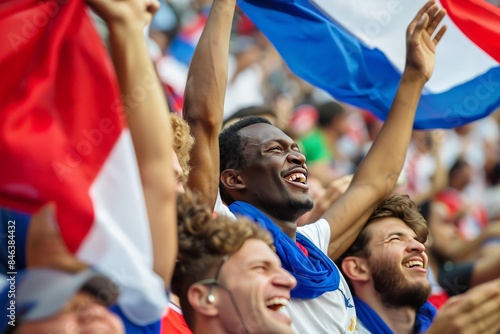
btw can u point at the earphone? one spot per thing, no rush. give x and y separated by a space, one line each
211 297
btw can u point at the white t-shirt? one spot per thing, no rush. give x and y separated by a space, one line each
328 313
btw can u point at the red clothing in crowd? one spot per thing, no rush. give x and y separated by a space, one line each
173 322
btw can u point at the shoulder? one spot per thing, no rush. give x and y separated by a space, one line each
318 233
221 209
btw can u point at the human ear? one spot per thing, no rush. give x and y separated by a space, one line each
356 269
231 179
203 300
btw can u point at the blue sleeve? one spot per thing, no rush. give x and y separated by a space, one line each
131 328
21 222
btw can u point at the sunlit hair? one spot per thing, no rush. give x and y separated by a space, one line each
231 145
203 242
182 142
398 206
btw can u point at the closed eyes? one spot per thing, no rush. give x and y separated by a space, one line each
276 148
394 239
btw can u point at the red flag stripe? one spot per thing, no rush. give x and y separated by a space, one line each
57 117
479 21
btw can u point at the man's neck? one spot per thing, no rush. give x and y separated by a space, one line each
212 326
287 225
400 320
289 229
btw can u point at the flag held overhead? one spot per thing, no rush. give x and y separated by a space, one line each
63 140
355 50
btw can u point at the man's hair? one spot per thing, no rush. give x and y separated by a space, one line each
257 111
203 242
328 111
182 141
231 146
457 167
398 206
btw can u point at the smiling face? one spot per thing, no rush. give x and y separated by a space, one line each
397 263
443 229
274 173
82 314
260 288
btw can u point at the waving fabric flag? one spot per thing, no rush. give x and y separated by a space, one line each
355 50
63 139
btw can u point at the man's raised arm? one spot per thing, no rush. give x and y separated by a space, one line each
147 116
377 175
204 98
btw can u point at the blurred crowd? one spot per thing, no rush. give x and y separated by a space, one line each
461 163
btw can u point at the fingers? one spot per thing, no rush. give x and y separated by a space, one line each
428 19
479 300
419 15
476 311
486 316
440 34
436 14
435 21
44 222
43 232
422 23
45 246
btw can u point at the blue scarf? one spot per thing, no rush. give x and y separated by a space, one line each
373 323
315 274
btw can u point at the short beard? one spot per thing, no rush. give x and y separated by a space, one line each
393 288
301 207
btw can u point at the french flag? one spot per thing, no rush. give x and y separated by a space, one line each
63 139
183 45
355 50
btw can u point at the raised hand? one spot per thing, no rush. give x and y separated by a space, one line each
420 48
125 11
45 246
475 311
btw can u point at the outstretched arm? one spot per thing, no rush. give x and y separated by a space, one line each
377 175
147 116
475 311
204 98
